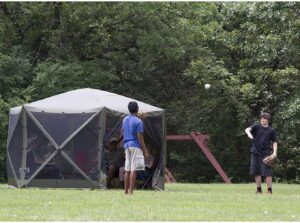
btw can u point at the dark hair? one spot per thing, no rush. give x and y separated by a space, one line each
265 115
133 107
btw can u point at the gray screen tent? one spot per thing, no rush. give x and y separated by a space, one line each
60 141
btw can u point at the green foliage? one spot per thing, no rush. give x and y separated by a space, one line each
14 74
58 76
3 137
164 53
289 125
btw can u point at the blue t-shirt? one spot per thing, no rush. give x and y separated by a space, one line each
131 126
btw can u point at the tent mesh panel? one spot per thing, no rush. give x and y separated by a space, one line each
15 150
39 148
83 151
60 125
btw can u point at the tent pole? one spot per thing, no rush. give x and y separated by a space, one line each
12 169
164 147
10 137
159 173
24 147
101 132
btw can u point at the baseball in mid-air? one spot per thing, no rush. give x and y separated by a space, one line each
207 86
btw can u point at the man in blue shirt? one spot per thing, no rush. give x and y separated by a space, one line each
264 144
134 145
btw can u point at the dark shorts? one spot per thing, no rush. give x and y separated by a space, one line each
117 167
258 167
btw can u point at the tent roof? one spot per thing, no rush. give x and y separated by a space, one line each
85 100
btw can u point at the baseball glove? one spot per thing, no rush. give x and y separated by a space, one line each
270 160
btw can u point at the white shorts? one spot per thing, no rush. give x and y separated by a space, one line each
134 159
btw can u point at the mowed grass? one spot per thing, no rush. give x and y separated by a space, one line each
179 202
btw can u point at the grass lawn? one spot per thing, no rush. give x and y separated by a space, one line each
179 202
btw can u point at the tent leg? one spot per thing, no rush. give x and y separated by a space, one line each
24 147
101 131
12 169
159 173
164 148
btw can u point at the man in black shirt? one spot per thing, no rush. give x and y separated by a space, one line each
264 143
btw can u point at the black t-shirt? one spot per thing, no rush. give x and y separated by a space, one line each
263 137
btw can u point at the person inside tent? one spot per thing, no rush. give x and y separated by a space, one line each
41 155
32 145
115 157
149 166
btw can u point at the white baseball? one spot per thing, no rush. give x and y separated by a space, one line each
207 86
